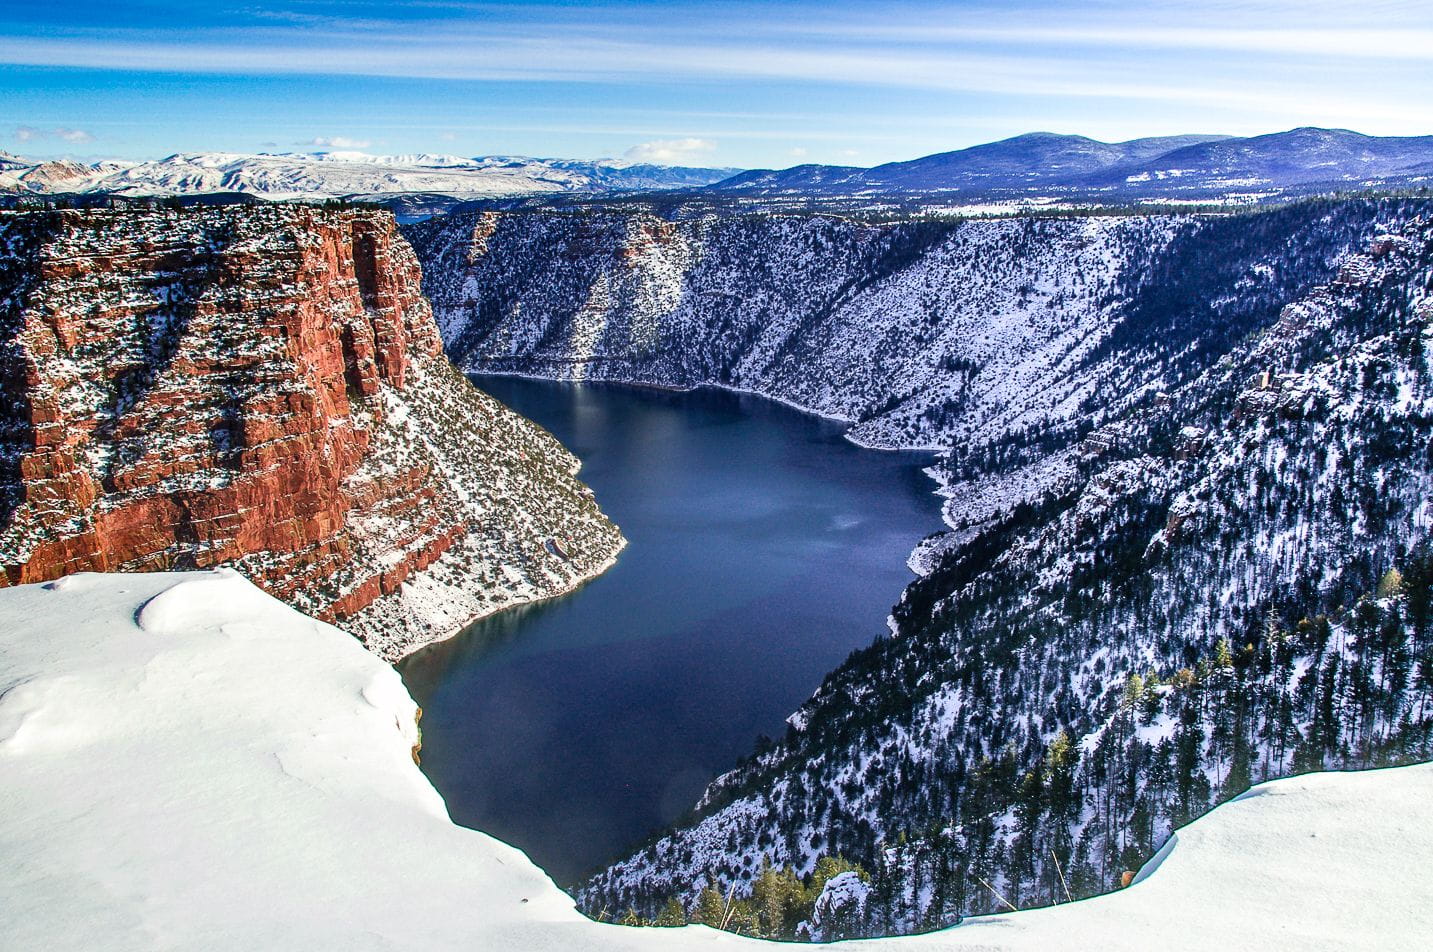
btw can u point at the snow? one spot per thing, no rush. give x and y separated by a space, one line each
340 173
186 762
843 896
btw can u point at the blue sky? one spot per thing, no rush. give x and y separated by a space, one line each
716 83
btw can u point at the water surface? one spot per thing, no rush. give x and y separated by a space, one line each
763 548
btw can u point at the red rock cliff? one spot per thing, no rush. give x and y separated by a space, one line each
264 387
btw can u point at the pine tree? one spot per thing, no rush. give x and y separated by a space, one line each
711 907
779 900
672 914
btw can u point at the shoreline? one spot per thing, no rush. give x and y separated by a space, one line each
578 582
728 388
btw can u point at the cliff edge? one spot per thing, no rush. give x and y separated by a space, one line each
264 387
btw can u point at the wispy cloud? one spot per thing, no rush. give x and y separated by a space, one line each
1049 70
336 142
671 151
575 78
63 134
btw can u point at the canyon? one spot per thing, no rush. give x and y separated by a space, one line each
1160 434
1184 460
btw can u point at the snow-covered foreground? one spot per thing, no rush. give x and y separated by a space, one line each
186 762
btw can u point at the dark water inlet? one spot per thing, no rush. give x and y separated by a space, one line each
763 548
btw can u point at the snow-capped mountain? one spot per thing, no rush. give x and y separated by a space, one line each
1299 157
345 174
1076 167
1183 455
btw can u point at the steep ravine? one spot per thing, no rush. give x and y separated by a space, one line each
1228 586
264 387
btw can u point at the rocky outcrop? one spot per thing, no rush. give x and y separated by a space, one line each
265 388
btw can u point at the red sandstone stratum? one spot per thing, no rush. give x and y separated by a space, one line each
265 388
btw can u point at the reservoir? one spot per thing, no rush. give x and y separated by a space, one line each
763 548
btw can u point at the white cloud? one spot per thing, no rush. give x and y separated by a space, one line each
337 142
671 151
1230 65
1064 61
797 153
31 134
448 136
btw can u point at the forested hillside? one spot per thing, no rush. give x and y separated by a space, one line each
983 335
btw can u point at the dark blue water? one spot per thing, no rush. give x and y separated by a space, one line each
763 548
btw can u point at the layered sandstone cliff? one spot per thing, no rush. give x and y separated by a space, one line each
265 388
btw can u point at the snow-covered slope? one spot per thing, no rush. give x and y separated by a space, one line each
919 334
350 174
977 334
1160 431
187 763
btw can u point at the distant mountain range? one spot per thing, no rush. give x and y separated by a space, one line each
344 174
1037 167
1190 166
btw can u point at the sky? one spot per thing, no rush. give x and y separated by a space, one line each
729 84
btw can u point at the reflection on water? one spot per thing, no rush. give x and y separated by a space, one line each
763 549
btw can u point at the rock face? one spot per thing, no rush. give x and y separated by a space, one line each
265 388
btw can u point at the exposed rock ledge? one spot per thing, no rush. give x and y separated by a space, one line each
186 763
265 388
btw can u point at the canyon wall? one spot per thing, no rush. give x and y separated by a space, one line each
265 388
920 333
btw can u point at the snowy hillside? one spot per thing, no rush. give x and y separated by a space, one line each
187 763
345 174
898 328
981 334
